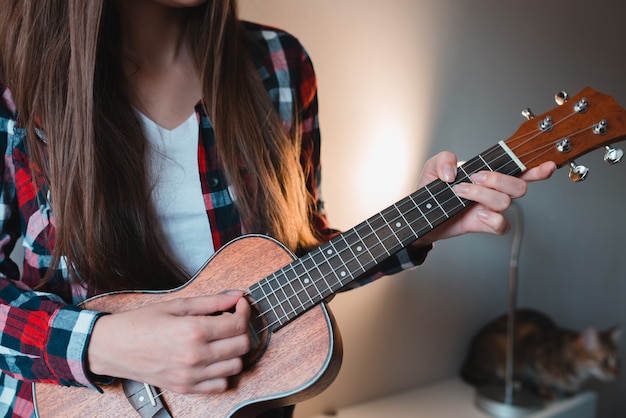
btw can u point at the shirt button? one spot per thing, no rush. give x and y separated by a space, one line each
213 181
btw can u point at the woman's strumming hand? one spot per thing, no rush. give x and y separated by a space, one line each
189 345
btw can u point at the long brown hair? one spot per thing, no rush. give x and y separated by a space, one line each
61 59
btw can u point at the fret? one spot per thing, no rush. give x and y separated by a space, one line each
325 271
506 165
382 237
449 201
429 207
292 291
283 293
399 229
350 262
462 175
269 304
423 215
407 232
486 165
445 195
497 158
300 282
286 294
418 222
433 193
338 262
332 266
270 295
462 202
306 280
361 253
370 243
475 165
319 280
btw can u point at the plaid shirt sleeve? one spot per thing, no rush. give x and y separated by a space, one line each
289 76
42 339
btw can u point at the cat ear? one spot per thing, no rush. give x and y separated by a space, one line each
589 339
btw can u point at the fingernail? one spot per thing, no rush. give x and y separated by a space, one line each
479 177
234 292
461 188
483 214
449 173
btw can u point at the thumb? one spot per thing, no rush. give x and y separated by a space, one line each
442 166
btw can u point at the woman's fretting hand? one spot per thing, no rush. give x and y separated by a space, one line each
492 192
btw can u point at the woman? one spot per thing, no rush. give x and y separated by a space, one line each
102 105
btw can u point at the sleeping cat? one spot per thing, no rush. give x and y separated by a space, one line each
552 362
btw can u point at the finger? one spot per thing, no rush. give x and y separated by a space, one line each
512 186
202 386
243 308
446 166
208 387
541 172
203 305
492 222
226 368
226 349
442 166
491 199
213 378
227 324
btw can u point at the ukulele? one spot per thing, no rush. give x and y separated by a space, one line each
296 348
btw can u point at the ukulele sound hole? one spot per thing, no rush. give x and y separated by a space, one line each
259 334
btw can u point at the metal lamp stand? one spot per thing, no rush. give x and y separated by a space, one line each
507 401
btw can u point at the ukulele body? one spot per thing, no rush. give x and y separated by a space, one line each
297 362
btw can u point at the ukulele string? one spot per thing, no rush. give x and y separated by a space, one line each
262 313
278 320
373 232
550 145
152 395
537 133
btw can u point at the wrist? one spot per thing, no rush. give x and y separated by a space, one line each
99 351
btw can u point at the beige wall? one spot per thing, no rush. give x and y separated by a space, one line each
403 79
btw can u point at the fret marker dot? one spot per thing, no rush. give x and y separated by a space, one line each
306 280
398 224
429 206
342 274
329 252
141 399
359 248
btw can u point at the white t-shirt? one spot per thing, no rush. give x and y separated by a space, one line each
177 193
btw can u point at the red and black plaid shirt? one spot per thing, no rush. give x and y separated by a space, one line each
44 336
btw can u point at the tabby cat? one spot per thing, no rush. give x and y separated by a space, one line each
551 361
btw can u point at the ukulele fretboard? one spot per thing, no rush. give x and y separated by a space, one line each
297 287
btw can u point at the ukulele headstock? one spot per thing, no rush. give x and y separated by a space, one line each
588 121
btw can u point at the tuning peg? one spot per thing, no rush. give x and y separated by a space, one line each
600 127
613 155
546 124
581 106
561 97
527 113
564 145
577 172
